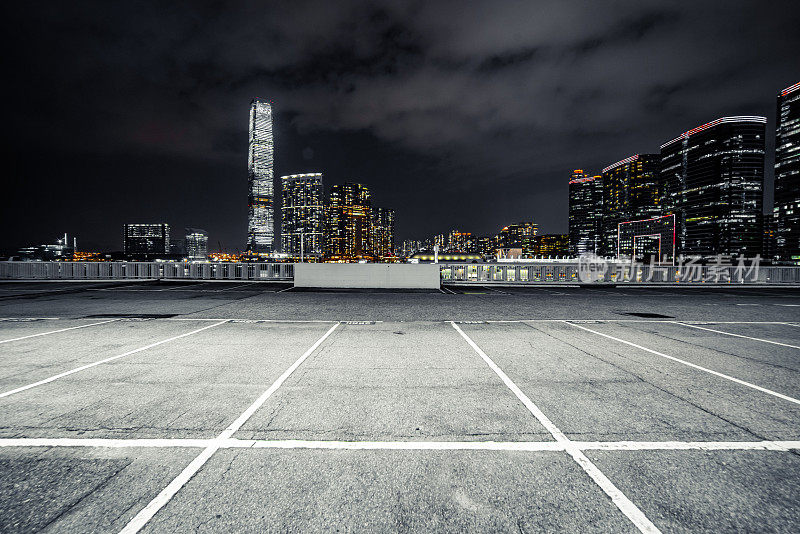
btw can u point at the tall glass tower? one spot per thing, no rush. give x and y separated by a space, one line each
787 176
261 213
631 191
585 212
303 214
714 180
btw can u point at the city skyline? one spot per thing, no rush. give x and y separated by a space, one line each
181 132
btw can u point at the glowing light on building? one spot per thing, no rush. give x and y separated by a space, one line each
786 210
714 180
261 210
303 215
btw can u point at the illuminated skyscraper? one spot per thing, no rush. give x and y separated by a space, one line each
787 176
714 180
519 235
146 241
348 223
196 244
382 232
303 214
585 212
458 241
631 190
261 214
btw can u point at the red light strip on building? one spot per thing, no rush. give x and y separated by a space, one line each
717 122
621 162
790 89
582 180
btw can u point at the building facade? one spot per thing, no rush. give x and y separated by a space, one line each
382 232
458 241
631 191
519 235
303 215
145 241
196 244
786 210
714 180
551 245
585 212
348 221
261 207
652 238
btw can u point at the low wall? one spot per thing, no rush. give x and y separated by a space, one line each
367 275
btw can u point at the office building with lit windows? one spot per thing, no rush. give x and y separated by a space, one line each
714 182
632 190
145 241
348 222
786 211
261 208
550 245
196 244
519 235
645 239
382 232
303 215
458 241
585 212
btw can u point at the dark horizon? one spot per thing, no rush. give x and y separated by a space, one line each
136 114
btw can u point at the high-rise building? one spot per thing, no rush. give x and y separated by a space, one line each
382 232
631 191
146 241
714 181
585 212
458 241
348 223
519 235
196 244
787 176
302 223
261 208
551 245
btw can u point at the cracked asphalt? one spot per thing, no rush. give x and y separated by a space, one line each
395 370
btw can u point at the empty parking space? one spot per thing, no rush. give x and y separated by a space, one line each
389 490
15 330
81 490
719 491
596 389
394 381
774 367
32 359
192 387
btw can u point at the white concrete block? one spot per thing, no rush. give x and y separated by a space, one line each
367 275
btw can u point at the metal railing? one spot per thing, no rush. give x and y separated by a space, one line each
569 273
451 273
136 270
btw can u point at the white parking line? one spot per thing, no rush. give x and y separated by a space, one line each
521 446
160 500
106 360
736 335
57 331
625 505
695 366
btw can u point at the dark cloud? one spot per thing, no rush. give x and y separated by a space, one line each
457 114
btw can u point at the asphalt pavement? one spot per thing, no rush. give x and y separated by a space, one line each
253 407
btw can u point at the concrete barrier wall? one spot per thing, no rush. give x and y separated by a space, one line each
367 275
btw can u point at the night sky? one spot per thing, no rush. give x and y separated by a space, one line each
466 115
